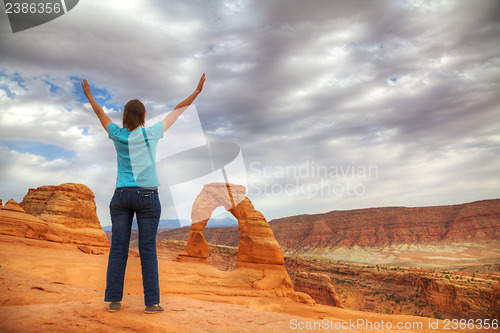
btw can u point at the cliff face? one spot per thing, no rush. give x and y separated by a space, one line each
374 227
401 291
319 287
229 236
377 227
471 300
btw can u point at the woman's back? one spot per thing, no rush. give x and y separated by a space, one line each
136 154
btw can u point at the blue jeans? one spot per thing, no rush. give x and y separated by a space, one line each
145 203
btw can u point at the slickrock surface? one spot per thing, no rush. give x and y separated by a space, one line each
61 289
70 212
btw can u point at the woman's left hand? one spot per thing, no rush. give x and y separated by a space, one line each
200 84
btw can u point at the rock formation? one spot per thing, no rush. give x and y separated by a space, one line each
319 286
12 205
258 249
69 204
69 211
257 244
63 214
15 221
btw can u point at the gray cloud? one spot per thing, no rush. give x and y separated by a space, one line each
289 81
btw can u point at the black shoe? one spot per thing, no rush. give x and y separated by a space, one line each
153 308
114 306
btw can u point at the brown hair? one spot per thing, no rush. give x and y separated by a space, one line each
134 114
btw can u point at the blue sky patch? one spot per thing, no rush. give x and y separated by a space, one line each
85 130
19 80
53 87
50 152
16 77
9 92
102 96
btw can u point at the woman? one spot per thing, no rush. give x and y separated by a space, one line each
136 192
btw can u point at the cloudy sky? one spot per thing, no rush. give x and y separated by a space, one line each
334 104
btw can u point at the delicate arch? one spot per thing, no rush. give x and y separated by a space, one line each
257 244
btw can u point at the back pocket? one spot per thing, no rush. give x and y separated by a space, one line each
147 199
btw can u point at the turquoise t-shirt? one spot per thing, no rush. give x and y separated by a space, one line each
136 161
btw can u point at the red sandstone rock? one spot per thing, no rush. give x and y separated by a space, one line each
15 221
70 211
89 250
495 302
84 249
59 289
197 246
69 204
405 291
464 302
301 297
257 243
475 221
51 238
319 286
258 250
12 205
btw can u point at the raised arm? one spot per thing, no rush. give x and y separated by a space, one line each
170 119
103 117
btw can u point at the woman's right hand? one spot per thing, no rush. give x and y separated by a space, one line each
86 89
200 84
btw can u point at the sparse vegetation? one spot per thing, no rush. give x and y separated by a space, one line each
374 287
